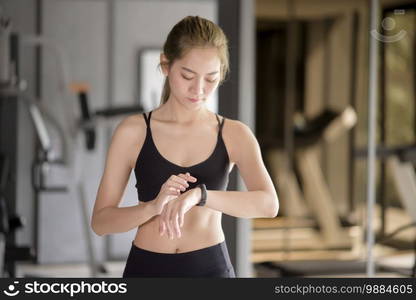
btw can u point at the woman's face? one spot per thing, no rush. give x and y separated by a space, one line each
194 77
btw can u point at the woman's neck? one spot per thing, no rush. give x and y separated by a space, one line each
172 111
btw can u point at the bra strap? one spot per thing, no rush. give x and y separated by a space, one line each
147 119
220 123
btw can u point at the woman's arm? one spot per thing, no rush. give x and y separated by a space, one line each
251 204
111 219
261 199
107 217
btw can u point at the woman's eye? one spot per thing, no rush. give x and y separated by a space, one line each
210 81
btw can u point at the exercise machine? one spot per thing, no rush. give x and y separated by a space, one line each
401 161
311 227
55 155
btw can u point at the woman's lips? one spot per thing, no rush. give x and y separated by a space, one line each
193 100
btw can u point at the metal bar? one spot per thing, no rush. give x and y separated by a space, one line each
38 95
414 83
372 111
383 131
291 62
229 19
353 103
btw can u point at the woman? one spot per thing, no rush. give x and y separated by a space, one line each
181 154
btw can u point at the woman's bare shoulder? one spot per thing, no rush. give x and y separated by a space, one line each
130 135
234 128
132 126
231 132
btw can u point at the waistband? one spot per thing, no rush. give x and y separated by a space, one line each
202 251
198 262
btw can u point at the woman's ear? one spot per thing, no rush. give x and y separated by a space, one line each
164 64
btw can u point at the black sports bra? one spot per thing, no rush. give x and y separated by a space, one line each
152 169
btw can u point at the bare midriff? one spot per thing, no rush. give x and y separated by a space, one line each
201 228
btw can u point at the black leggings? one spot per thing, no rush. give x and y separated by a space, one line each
212 261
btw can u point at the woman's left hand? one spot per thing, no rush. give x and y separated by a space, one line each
171 218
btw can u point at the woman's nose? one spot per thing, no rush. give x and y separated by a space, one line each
198 87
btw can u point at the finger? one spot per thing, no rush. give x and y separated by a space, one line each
188 177
180 218
168 222
179 179
172 223
173 191
162 225
177 185
174 220
168 195
163 228
166 187
176 224
163 220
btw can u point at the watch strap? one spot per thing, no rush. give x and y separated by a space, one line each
203 194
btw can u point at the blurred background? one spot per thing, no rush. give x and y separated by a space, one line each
70 70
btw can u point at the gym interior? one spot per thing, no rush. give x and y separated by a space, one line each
328 87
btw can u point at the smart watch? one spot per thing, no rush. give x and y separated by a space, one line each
203 194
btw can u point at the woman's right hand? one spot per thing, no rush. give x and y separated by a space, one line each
171 189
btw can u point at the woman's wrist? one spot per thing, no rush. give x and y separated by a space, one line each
196 194
152 208
202 194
